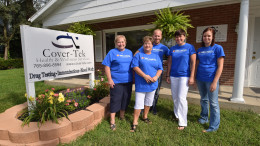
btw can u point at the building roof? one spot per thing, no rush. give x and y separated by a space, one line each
59 12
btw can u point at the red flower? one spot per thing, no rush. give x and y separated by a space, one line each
94 89
76 104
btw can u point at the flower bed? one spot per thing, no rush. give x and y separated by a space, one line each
50 133
55 117
52 105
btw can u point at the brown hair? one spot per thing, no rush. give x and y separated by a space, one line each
120 36
148 38
179 32
212 30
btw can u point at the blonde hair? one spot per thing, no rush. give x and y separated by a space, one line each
148 38
119 36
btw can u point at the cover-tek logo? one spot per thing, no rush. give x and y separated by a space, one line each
64 53
65 37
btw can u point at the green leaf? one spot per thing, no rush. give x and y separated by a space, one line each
169 22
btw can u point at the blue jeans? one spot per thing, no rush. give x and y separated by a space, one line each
156 95
209 98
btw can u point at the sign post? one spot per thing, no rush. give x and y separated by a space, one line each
50 54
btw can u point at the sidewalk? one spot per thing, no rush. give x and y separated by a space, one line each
251 95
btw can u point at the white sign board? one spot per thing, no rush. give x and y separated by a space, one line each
51 54
220 36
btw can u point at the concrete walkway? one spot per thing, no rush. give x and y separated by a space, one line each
251 95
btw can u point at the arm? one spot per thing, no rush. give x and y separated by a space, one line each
192 69
220 62
169 65
109 78
147 78
136 52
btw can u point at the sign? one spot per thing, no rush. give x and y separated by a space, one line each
50 54
220 36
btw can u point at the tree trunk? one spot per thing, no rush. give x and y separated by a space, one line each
6 51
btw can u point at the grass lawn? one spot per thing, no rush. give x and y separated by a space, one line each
236 128
12 88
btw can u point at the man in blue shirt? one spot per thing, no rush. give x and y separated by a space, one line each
160 50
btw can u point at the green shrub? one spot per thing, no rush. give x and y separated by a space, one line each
11 63
101 88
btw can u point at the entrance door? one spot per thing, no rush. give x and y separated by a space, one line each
255 72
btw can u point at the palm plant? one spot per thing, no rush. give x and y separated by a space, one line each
169 22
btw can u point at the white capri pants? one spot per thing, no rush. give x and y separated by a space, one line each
179 88
143 99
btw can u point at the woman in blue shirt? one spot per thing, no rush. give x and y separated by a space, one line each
119 74
210 60
148 68
180 73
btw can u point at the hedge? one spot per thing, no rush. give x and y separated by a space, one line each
11 63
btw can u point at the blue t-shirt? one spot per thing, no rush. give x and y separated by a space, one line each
208 65
181 60
120 65
149 64
159 49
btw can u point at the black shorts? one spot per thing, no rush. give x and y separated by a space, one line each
120 96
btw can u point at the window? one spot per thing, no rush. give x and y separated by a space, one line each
134 37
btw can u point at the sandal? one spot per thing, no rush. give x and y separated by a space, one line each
147 121
181 128
113 127
133 128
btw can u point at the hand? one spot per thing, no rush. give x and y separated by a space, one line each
213 87
168 80
154 79
147 78
191 81
195 86
111 83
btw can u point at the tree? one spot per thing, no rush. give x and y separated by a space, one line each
169 22
8 8
81 28
13 13
38 4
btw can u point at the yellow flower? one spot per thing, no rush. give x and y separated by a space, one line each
40 96
25 95
50 97
31 98
61 98
51 101
51 93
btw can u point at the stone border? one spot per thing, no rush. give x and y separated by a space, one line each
11 132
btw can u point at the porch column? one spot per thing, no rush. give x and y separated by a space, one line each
238 87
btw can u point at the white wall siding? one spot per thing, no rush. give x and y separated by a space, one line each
89 10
